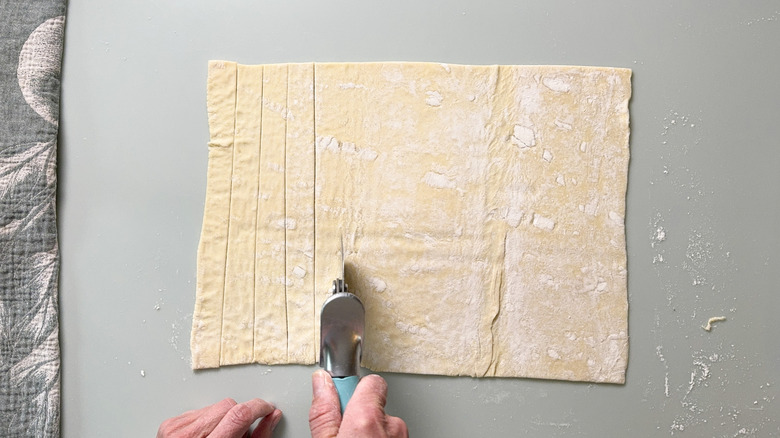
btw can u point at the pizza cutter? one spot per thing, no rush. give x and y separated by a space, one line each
342 321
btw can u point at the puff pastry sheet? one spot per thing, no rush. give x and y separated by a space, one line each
482 211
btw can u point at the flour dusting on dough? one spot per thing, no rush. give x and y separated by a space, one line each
378 284
286 223
332 144
542 222
557 84
327 143
434 98
616 218
350 86
438 181
523 136
299 272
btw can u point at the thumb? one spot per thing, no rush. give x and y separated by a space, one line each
371 393
367 403
325 412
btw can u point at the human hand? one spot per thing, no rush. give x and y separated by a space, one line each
226 419
364 415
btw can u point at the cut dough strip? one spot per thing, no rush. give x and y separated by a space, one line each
299 214
237 322
270 339
207 317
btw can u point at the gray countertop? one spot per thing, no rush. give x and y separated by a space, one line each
703 207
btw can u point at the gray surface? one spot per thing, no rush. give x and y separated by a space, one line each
704 167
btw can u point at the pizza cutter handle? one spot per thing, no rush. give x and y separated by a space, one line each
345 386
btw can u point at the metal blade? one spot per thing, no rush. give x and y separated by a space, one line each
342 259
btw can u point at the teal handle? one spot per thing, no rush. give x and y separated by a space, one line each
345 386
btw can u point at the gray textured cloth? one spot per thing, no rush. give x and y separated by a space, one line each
30 58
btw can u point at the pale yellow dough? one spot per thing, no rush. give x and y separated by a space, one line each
481 207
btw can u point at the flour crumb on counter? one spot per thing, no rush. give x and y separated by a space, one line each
659 235
712 320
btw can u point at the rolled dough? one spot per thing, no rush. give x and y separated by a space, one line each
481 207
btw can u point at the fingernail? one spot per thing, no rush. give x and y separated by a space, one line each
318 382
276 420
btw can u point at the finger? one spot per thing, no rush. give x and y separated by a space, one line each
238 419
210 416
267 425
199 421
396 428
325 414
